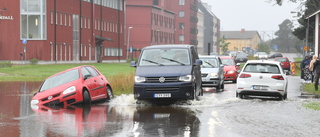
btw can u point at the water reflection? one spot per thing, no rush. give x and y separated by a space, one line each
18 118
165 121
74 120
14 104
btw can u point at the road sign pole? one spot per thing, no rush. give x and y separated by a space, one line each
25 53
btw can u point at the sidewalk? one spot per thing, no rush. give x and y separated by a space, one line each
308 94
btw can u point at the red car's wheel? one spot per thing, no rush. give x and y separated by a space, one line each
110 93
86 97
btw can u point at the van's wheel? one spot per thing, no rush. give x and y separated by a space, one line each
195 96
218 88
109 93
86 97
222 86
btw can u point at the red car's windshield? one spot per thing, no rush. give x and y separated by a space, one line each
281 59
228 62
60 79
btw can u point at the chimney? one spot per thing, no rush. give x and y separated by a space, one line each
243 30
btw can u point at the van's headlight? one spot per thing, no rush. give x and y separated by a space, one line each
139 79
214 74
186 78
69 90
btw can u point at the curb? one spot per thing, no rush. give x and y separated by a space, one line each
307 94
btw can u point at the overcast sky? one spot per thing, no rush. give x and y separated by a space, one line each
257 15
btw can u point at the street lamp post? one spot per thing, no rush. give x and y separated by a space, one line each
128 42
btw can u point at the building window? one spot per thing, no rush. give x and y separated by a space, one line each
51 17
181 37
112 52
181 25
181 14
182 2
61 18
65 19
155 2
33 19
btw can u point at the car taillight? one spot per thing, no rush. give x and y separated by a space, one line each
278 77
245 76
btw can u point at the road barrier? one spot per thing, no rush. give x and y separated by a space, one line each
293 70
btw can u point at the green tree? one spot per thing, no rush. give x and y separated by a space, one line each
223 44
285 39
263 47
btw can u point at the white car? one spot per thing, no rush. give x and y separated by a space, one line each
262 78
261 55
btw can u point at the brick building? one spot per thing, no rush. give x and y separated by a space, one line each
62 31
153 22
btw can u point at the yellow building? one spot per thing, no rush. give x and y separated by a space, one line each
246 41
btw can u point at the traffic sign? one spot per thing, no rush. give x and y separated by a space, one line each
275 47
24 41
305 48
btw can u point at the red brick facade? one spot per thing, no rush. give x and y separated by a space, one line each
72 30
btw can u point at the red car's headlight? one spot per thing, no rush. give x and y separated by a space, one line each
231 72
69 90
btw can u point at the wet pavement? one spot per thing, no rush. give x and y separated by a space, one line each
217 114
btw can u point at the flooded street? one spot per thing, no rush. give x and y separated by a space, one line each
216 114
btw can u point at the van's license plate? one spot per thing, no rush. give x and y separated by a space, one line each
163 95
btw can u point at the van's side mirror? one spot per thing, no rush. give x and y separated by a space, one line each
238 64
133 64
198 62
221 66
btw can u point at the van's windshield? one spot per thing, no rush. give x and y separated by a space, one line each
164 57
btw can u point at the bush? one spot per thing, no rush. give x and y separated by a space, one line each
5 64
122 83
34 61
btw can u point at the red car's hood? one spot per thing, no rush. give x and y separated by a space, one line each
228 68
56 91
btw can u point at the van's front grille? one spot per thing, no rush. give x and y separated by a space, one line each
162 89
204 74
161 79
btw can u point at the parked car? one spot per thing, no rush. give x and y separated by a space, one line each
167 72
231 68
212 72
241 58
285 63
262 78
81 84
261 55
274 55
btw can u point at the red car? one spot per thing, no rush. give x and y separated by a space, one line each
81 84
231 68
285 63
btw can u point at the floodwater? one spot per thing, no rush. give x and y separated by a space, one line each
217 114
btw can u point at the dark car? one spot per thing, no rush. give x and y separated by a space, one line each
167 72
241 58
81 84
212 72
274 55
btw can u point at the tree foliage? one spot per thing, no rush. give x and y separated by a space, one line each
263 47
285 39
223 44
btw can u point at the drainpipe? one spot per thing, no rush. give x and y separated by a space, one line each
119 30
80 31
55 29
